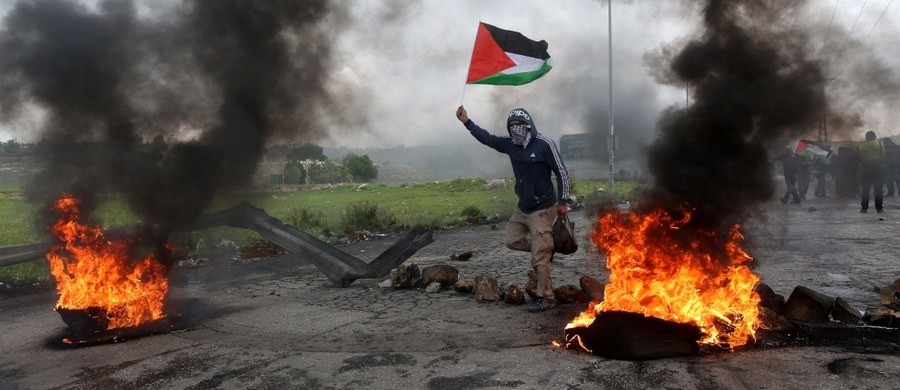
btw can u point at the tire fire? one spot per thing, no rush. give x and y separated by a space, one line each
94 273
703 280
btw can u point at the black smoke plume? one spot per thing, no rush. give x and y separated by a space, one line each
753 84
235 73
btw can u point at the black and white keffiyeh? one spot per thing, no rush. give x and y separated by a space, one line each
520 134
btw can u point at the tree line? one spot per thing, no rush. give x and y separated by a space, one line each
307 164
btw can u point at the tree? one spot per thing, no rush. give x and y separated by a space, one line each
326 172
11 147
307 152
361 168
294 173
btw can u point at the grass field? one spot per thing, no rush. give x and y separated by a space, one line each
324 212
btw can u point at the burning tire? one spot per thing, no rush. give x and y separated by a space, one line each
633 336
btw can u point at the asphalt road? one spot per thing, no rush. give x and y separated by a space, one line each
278 323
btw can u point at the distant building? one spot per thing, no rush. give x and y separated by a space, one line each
584 146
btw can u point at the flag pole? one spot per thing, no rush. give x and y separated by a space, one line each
611 140
471 55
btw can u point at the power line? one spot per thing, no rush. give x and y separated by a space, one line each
884 11
879 19
828 30
847 38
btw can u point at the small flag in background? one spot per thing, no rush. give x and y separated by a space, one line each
811 149
504 57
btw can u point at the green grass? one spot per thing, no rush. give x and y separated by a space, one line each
17 224
432 204
324 212
31 272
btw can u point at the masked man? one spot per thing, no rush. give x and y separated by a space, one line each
533 158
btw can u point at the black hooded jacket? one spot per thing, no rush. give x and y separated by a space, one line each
532 164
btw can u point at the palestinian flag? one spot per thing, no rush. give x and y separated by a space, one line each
811 149
504 57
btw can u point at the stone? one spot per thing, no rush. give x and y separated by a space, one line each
882 316
531 284
407 275
224 248
260 249
486 289
592 287
570 294
495 183
433 287
774 321
513 295
768 298
465 256
227 244
577 202
463 287
808 305
357 235
890 295
444 274
844 313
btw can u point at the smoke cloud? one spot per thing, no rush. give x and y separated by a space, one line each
753 84
223 77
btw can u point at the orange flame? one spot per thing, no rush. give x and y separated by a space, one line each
707 283
92 271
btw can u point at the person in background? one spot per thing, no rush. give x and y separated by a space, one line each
790 167
871 156
892 166
533 157
820 171
843 168
803 176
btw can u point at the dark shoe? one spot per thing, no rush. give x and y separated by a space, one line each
879 211
783 200
863 211
541 304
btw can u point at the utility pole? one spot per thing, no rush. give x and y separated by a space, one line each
611 141
823 121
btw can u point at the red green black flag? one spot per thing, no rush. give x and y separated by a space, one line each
503 57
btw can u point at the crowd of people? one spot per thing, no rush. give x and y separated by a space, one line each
870 170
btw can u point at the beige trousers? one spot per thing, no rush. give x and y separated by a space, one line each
533 233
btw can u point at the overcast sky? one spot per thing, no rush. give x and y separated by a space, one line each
405 64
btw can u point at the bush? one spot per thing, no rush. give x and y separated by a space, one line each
307 219
326 172
294 173
472 214
367 216
361 168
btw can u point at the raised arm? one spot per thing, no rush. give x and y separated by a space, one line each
480 134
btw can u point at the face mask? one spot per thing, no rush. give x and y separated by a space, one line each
520 134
